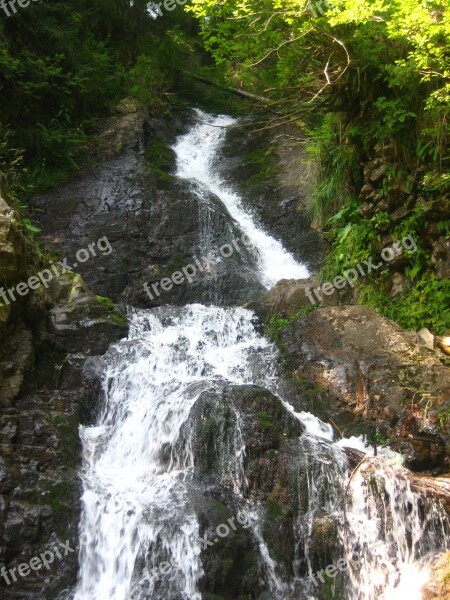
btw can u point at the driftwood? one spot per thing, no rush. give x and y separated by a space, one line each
432 487
437 488
231 90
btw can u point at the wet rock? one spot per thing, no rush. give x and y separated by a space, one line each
438 586
16 357
81 319
274 178
288 297
376 370
43 398
153 222
242 438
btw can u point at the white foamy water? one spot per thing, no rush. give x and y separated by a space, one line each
196 152
393 540
135 507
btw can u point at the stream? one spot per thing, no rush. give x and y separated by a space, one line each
139 526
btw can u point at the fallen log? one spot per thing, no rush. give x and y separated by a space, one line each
231 90
424 485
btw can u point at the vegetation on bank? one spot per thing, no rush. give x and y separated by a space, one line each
66 65
369 83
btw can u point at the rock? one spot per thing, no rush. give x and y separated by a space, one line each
80 319
222 424
375 169
127 106
400 214
438 586
367 210
288 297
440 257
425 338
11 244
400 285
373 368
275 176
16 357
42 400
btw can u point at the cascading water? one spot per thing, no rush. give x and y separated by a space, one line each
137 512
196 152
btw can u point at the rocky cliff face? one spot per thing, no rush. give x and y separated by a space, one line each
45 339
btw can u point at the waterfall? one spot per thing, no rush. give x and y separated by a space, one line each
139 526
196 152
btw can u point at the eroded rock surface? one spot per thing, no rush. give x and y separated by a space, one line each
45 338
376 370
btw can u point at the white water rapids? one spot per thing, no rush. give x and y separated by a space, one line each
137 513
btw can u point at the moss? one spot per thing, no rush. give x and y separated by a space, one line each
106 302
264 420
69 439
274 508
159 158
59 497
56 495
117 317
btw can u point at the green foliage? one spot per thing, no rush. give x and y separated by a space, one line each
337 169
148 85
365 73
423 306
30 228
115 315
273 326
394 117
106 302
63 65
355 240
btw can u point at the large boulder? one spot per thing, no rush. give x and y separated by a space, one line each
251 456
376 370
